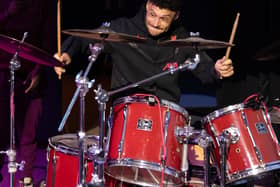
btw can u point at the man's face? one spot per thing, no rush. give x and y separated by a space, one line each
158 20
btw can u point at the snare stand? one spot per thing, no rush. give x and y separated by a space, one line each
83 85
205 141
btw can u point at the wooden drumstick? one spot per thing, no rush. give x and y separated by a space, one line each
232 35
58 29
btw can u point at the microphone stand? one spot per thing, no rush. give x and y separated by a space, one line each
11 153
189 64
83 85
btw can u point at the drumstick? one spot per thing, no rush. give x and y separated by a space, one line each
232 35
58 29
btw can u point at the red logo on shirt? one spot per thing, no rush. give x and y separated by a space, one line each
170 65
173 37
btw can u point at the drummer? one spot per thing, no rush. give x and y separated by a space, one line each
156 20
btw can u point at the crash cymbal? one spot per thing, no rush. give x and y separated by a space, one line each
104 34
269 53
196 42
27 52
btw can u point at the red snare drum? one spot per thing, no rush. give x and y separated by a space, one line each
252 149
63 161
135 150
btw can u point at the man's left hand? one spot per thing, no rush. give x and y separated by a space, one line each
33 83
33 79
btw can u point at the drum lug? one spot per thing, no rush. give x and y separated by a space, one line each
234 134
179 133
166 123
259 155
53 168
54 158
48 154
108 136
120 148
257 151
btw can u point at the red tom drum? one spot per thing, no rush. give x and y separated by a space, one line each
135 149
252 148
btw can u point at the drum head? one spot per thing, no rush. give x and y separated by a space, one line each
68 143
221 112
144 99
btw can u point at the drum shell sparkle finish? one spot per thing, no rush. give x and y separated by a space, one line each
63 161
242 159
142 148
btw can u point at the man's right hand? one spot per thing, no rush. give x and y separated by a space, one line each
65 59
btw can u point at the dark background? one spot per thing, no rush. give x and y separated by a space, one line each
258 28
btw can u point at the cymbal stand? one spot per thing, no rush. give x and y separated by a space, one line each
83 85
101 96
11 153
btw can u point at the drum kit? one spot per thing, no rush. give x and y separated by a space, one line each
150 142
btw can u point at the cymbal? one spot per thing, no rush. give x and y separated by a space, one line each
275 116
269 53
104 34
195 41
27 52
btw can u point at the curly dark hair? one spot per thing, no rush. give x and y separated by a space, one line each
174 5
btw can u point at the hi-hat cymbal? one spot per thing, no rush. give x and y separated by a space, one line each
27 52
104 34
196 42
